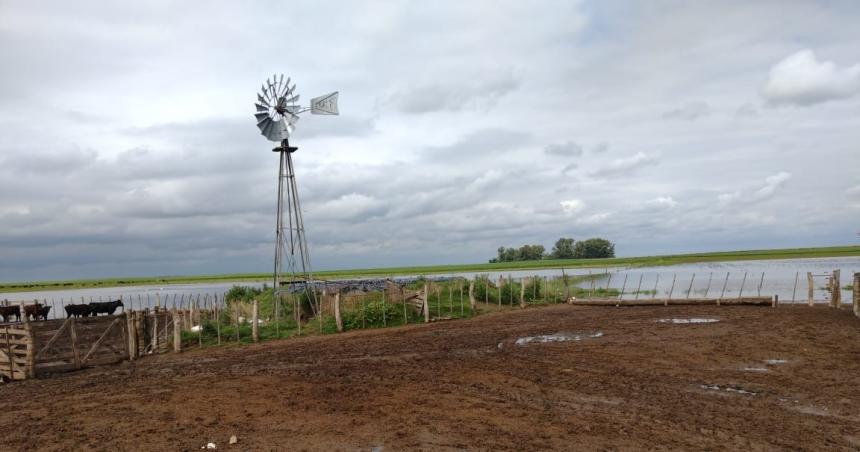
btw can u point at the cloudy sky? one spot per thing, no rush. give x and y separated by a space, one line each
128 145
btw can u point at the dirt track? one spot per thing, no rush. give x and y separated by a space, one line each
452 386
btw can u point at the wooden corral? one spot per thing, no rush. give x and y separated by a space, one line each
31 349
69 344
34 349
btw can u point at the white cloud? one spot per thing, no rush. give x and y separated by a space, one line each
765 191
596 218
801 79
728 198
664 202
771 184
572 206
626 165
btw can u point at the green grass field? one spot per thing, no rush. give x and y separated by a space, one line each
642 261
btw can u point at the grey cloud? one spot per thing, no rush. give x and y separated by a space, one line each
49 161
569 168
690 111
453 96
152 163
747 110
566 149
600 148
484 143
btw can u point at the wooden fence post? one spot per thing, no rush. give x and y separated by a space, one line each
501 283
857 294
472 296
811 293
836 290
73 331
132 349
523 293
794 291
31 349
426 305
238 326
216 306
337 319
255 329
177 332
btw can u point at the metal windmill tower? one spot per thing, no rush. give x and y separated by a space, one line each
277 115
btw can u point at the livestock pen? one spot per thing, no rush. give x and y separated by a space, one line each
31 349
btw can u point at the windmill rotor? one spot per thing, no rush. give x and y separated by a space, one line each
276 110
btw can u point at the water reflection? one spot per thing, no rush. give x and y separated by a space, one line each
786 278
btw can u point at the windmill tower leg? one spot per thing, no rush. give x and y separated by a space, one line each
292 258
279 241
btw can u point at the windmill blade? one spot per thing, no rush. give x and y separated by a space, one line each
267 128
263 101
282 131
262 124
261 116
286 87
292 99
281 83
270 91
261 107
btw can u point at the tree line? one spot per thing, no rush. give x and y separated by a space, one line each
564 248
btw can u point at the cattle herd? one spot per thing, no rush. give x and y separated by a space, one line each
38 311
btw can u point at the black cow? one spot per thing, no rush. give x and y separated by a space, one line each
107 307
77 310
9 311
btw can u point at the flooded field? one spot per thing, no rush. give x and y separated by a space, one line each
786 278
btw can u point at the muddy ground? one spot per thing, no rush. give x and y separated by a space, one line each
467 385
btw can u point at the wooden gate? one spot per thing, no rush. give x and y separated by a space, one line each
73 343
13 352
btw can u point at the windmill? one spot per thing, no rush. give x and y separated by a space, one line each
277 115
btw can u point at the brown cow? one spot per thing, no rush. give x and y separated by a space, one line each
37 310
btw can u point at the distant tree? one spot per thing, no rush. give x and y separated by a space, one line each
563 249
531 252
524 253
507 254
594 248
